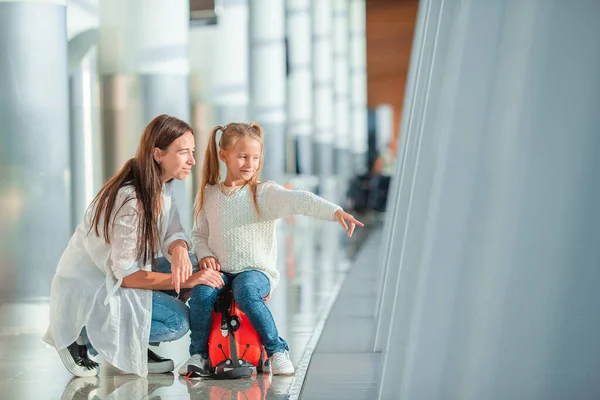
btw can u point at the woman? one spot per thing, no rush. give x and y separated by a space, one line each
107 294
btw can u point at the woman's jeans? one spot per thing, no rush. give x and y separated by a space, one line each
170 316
249 291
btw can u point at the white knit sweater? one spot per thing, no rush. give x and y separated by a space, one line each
229 229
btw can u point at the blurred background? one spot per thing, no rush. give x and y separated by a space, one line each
463 133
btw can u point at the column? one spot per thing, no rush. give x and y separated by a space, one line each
85 134
86 141
384 125
202 48
268 81
358 85
164 69
341 57
323 109
231 66
501 243
34 132
122 112
143 54
300 84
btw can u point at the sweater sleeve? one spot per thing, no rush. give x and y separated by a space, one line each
174 230
199 237
280 203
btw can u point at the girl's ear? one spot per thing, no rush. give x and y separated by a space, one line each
222 156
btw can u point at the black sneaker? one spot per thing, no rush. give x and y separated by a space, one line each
77 361
159 365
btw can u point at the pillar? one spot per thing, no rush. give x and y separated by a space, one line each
35 177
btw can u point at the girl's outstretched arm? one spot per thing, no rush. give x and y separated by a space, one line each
280 203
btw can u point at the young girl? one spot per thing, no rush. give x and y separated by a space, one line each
234 233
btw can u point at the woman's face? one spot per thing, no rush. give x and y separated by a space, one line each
178 159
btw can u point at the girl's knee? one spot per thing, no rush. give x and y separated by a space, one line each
203 294
250 285
244 295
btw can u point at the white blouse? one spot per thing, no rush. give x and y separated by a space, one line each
86 289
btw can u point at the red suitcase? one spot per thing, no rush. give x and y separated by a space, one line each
234 347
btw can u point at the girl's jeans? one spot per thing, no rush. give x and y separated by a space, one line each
249 291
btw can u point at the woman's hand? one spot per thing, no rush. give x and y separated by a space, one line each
181 266
210 263
208 277
341 216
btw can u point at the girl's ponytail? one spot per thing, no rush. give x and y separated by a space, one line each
211 173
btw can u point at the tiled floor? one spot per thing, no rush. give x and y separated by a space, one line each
311 262
344 364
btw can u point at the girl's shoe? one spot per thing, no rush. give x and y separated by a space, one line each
196 360
281 364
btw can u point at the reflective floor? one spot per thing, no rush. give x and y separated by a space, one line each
312 261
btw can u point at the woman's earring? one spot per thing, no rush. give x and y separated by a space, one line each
158 161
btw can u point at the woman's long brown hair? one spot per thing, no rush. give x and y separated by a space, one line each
144 174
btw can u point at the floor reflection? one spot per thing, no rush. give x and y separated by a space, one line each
120 387
311 261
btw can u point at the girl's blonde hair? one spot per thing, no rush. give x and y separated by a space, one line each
211 173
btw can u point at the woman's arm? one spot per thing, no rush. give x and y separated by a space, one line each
160 281
123 260
175 248
149 280
126 266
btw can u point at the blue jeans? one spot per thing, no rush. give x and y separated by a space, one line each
249 290
170 316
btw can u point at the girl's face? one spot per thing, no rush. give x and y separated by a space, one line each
178 159
243 159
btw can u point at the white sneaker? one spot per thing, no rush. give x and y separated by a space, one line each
281 364
196 360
